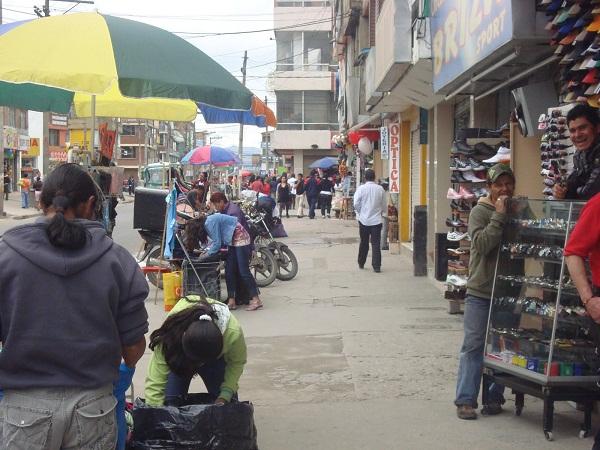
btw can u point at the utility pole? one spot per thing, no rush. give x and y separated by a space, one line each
241 141
267 141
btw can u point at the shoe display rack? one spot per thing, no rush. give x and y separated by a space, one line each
556 149
574 28
469 161
538 336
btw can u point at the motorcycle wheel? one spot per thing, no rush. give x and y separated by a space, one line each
154 259
286 261
264 267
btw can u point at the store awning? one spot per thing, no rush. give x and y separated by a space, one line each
260 115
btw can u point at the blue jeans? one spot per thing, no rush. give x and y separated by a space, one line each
312 205
24 199
238 265
212 373
471 354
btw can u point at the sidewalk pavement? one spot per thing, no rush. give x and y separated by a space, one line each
342 358
14 211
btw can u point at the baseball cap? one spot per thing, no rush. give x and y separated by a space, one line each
498 170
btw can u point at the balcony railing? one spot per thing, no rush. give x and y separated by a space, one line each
306 126
301 3
289 67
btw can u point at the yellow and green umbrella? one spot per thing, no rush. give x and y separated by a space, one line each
92 53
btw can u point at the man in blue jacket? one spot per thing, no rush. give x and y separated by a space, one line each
312 189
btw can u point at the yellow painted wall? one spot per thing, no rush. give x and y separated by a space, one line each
404 210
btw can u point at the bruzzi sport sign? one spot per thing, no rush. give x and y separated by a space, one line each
464 32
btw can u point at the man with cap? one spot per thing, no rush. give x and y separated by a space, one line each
486 225
583 183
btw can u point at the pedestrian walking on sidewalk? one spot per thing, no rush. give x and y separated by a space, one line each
312 189
37 189
25 184
369 205
486 225
300 196
283 197
67 325
6 185
292 181
325 196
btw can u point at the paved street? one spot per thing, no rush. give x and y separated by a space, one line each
342 358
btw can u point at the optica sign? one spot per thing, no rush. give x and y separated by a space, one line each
394 162
463 32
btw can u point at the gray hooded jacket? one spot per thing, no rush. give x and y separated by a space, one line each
65 314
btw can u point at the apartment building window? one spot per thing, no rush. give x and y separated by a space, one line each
53 138
306 110
303 50
128 152
301 3
128 130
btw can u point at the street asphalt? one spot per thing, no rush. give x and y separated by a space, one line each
343 358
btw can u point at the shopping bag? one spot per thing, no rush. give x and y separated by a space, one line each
198 425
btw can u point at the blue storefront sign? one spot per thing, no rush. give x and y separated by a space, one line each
464 32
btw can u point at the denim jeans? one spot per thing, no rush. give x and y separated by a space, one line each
325 202
238 265
372 233
24 199
212 375
54 418
312 205
471 354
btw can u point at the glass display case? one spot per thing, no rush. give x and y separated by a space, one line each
537 328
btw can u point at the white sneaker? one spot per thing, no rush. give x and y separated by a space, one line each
457 236
456 280
502 154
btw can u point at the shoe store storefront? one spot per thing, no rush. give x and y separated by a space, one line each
509 72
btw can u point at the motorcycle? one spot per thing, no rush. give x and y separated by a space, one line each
258 219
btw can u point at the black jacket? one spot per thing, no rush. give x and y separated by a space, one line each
584 181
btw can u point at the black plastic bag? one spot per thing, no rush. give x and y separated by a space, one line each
199 425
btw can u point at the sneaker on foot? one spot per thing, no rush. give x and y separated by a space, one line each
466 412
492 409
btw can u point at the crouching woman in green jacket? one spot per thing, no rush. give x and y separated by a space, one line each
199 337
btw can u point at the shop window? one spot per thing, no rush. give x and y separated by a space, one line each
319 107
53 138
128 152
289 106
128 130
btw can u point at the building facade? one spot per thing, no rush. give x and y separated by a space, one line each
304 83
16 141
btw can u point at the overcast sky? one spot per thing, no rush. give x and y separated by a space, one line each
195 16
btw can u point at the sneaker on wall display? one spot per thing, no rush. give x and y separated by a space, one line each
476 165
465 193
456 280
461 148
455 236
503 154
470 176
461 165
453 195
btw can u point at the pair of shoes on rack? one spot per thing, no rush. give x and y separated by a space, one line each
461 194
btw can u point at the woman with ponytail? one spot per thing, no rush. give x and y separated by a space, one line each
199 337
71 308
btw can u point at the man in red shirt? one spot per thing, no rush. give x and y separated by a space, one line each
257 185
584 242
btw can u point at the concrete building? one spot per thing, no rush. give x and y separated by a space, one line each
303 83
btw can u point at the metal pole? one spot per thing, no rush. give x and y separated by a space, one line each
267 141
241 140
93 135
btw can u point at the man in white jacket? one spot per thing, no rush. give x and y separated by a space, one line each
369 204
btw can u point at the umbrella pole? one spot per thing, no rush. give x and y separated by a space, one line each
93 136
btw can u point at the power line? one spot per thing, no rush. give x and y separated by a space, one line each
20 12
296 25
